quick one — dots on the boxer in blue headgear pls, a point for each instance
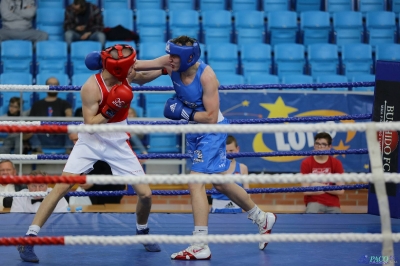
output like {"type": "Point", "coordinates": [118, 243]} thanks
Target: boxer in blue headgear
{"type": "Point", "coordinates": [189, 55]}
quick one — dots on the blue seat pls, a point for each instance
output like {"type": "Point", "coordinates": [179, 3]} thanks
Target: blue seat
{"type": "Point", "coordinates": [223, 58]}
{"type": "Point", "coordinates": [256, 58]}
{"type": "Point", "coordinates": [164, 80]}
{"type": "Point", "coordinates": [380, 27]}
{"type": "Point", "coordinates": [387, 51]}
{"type": "Point", "coordinates": [203, 52]}
{"type": "Point", "coordinates": [347, 28]}
{"type": "Point", "coordinates": [240, 5]}
{"type": "Point", "coordinates": [151, 25]}
{"type": "Point", "coordinates": [333, 6]}
{"type": "Point", "coordinates": [363, 78]}
{"type": "Point", "coordinates": [282, 27]}
{"type": "Point", "coordinates": [332, 79]}
{"type": "Point", "coordinates": [297, 79]}
{"type": "Point", "coordinates": [155, 102]}
{"type": "Point", "coordinates": [395, 7]}
{"type": "Point", "coordinates": [289, 59]}
{"type": "Point", "coordinates": [323, 59]}
{"type": "Point", "coordinates": [161, 142]}
{"type": "Point", "coordinates": [256, 79]}
{"type": "Point", "coordinates": [51, 56]}
{"type": "Point", "coordinates": [365, 6]}
{"type": "Point", "coordinates": [249, 27]}
{"type": "Point", "coordinates": [184, 22]}
{"type": "Point", "coordinates": [116, 4]}
{"type": "Point", "coordinates": [180, 4]}
{"type": "Point", "coordinates": [5, 97]}
{"type": "Point", "coordinates": [16, 79]}
{"type": "Point", "coordinates": [148, 4]}
{"type": "Point", "coordinates": [217, 26]}
{"type": "Point", "coordinates": [50, 4]}
{"type": "Point", "coordinates": [275, 5]}
{"type": "Point", "coordinates": [41, 79]}
{"type": "Point", "coordinates": [307, 5]}
{"type": "Point", "coordinates": [212, 5]}
{"type": "Point", "coordinates": [115, 17]}
{"type": "Point", "coordinates": [94, 2]}
{"type": "Point", "coordinates": [356, 59]}
{"type": "Point", "coordinates": [230, 79]}
{"type": "Point", "coordinates": [315, 27]}
{"type": "Point", "coordinates": [51, 20]}
{"type": "Point", "coordinates": [54, 150]}
{"type": "Point", "coordinates": [112, 43]}
{"type": "Point", "coordinates": [79, 50]}
{"type": "Point", "coordinates": [16, 56]}
{"type": "Point", "coordinates": [79, 79]}
{"type": "Point", "coordinates": [151, 50]}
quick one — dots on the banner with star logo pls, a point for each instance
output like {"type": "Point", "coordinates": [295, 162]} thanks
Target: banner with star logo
{"type": "Point", "coordinates": [255, 105]}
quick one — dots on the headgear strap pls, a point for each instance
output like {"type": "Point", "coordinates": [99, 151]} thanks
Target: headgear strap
{"type": "Point", "coordinates": [189, 55]}
{"type": "Point", "coordinates": [119, 68]}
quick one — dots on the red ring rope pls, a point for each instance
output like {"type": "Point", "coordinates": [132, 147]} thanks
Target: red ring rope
{"type": "Point", "coordinates": [44, 240]}
{"type": "Point", "coordinates": [34, 129]}
{"type": "Point", "coordinates": [28, 179]}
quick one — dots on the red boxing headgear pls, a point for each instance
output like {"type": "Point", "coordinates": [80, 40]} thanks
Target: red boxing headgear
{"type": "Point", "coordinates": [119, 68]}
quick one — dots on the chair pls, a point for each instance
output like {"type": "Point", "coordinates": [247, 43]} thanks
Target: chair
{"type": "Point", "coordinates": [203, 52]}
{"type": "Point", "coordinates": [257, 79]}
{"type": "Point", "coordinates": [180, 4]}
{"type": "Point", "coordinates": [151, 50]}
{"type": "Point", "coordinates": [275, 5]}
{"type": "Point", "coordinates": [380, 27]}
{"type": "Point", "coordinates": [161, 142]}
{"type": "Point", "coordinates": [240, 5]}
{"type": "Point", "coordinates": [16, 79]}
{"type": "Point", "coordinates": [365, 6]}
{"type": "Point", "coordinates": [297, 79]}
{"type": "Point", "coordinates": [41, 79]}
{"type": "Point", "coordinates": [155, 102]}
{"type": "Point", "coordinates": [184, 22]}
{"type": "Point", "coordinates": [51, 56]}
{"type": "Point", "coordinates": [282, 27]}
{"type": "Point", "coordinates": [115, 17]}
{"type": "Point", "coordinates": [112, 43]}
{"type": "Point", "coordinates": [395, 7]}
{"type": "Point", "coordinates": [50, 4]}
{"type": "Point", "coordinates": [148, 4]}
{"type": "Point", "coordinates": [323, 59]}
{"type": "Point", "coordinates": [16, 56]}
{"type": "Point", "coordinates": [387, 51]}
{"type": "Point", "coordinates": [230, 79]}
{"type": "Point", "coordinates": [80, 78]}
{"type": "Point", "coordinates": [315, 27]}
{"type": "Point", "coordinates": [151, 25]}
{"type": "Point", "coordinates": [332, 79]}
{"type": "Point", "coordinates": [363, 78]}
{"type": "Point", "coordinates": [79, 50]}
{"type": "Point", "coordinates": [212, 5]}
{"type": "Point", "coordinates": [51, 20]}
{"type": "Point", "coordinates": [223, 57]}
{"type": "Point", "coordinates": [217, 26]}
{"type": "Point", "coordinates": [356, 59]}
{"type": "Point", "coordinates": [164, 80]}
{"type": "Point", "coordinates": [333, 6]}
{"type": "Point", "coordinates": [256, 58]}
{"type": "Point", "coordinates": [94, 2]}
{"type": "Point", "coordinates": [249, 27]}
{"type": "Point", "coordinates": [307, 5]}
{"type": "Point", "coordinates": [116, 4]}
{"type": "Point", "coordinates": [289, 59]}
{"type": "Point", "coordinates": [347, 28]}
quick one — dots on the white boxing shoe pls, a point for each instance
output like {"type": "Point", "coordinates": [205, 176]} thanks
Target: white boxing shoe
{"type": "Point", "coordinates": [193, 252]}
{"type": "Point", "coordinates": [265, 221]}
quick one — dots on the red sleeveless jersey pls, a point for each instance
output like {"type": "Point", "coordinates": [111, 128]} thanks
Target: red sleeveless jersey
{"type": "Point", "coordinates": [122, 114]}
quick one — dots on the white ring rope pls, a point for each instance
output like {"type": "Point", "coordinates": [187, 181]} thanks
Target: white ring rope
{"type": "Point", "coordinates": [20, 123]}
{"type": "Point", "coordinates": [24, 194]}
{"type": "Point", "coordinates": [18, 157]}
{"type": "Point", "coordinates": [248, 238]}
{"type": "Point", "coordinates": [26, 88]}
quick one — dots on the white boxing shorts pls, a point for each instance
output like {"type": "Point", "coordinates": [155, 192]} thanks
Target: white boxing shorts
{"type": "Point", "coordinates": [111, 147]}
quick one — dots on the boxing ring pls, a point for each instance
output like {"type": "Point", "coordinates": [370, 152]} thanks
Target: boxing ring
{"type": "Point", "coordinates": [305, 239]}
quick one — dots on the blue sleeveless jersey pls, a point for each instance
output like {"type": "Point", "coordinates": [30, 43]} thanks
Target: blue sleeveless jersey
{"type": "Point", "coordinates": [222, 196]}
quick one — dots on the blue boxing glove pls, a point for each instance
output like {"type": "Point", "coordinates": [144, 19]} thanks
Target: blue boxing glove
{"type": "Point", "coordinates": [175, 109]}
{"type": "Point", "coordinates": [93, 61]}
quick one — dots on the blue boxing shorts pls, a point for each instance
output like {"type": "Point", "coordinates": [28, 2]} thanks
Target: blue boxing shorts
{"type": "Point", "coordinates": [208, 151]}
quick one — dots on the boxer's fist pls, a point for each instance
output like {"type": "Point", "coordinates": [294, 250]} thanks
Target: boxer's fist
{"type": "Point", "coordinates": [93, 61]}
{"type": "Point", "coordinates": [175, 109]}
{"type": "Point", "coordinates": [120, 96]}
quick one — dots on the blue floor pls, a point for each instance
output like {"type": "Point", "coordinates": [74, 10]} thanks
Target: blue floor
{"type": "Point", "coordinates": [319, 253]}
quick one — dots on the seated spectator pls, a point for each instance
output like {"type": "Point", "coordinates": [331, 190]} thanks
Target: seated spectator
{"type": "Point", "coordinates": [31, 204]}
{"type": "Point", "coordinates": [17, 17]}
{"type": "Point", "coordinates": [7, 168]}
{"type": "Point", "coordinates": [83, 21]}
{"type": "Point", "coordinates": [50, 106]}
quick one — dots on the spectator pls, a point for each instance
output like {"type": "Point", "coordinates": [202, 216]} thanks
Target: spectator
{"type": "Point", "coordinates": [7, 168]}
{"type": "Point", "coordinates": [83, 21]}
{"type": "Point", "coordinates": [50, 106]}
{"type": "Point", "coordinates": [220, 202]}
{"type": "Point", "coordinates": [322, 201]}
{"type": "Point", "coordinates": [31, 204]}
{"type": "Point", "coordinates": [17, 19]}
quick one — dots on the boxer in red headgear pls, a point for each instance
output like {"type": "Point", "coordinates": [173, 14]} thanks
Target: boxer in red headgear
{"type": "Point", "coordinates": [106, 98]}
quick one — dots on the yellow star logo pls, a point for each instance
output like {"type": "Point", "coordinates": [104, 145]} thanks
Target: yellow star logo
{"type": "Point", "coordinates": [341, 147]}
{"type": "Point", "coordinates": [278, 109]}
{"type": "Point", "coordinates": [246, 103]}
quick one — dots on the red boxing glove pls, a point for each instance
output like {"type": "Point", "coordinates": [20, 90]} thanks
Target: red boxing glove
{"type": "Point", "coordinates": [120, 96]}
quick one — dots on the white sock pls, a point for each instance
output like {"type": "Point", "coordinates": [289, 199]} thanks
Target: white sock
{"type": "Point", "coordinates": [200, 230]}
{"type": "Point", "coordinates": [253, 213]}
{"type": "Point", "coordinates": [33, 230]}
{"type": "Point", "coordinates": [141, 226]}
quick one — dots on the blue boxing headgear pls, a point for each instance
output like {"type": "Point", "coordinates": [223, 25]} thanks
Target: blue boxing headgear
{"type": "Point", "coordinates": [189, 55]}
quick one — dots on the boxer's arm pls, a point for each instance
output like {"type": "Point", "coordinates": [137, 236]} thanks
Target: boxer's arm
{"type": "Point", "coordinates": [90, 95]}
{"type": "Point", "coordinates": [210, 98]}
{"type": "Point", "coordinates": [144, 76]}
{"type": "Point", "coordinates": [155, 64]}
